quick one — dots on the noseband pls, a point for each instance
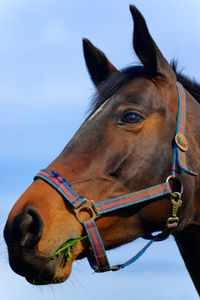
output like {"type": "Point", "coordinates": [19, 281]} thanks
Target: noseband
{"type": "Point", "coordinates": [98, 260]}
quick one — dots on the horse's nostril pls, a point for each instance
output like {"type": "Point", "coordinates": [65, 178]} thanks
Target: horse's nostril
{"type": "Point", "coordinates": [22, 226]}
{"type": "Point", "coordinates": [27, 228]}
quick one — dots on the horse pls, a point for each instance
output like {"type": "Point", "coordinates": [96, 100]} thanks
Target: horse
{"type": "Point", "coordinates": [130, 171]}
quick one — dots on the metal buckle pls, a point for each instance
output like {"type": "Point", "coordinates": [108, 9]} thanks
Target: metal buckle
{"type": "Point", "coordinates": [115, 268]}
{"type": "Point", "coordinates": [86, 207]}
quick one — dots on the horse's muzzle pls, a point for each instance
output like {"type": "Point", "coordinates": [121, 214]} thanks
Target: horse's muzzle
{"type": "Point", "coordinates": [22, 235]}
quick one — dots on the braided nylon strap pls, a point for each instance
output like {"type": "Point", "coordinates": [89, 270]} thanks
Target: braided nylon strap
{"type": "Point", "coordinates": [134, 258]}
{"type": "Point", "coordinates": [62, 186]}
{"type": "Point", "coordinates": [100, 262]}
{"type": "Point", "coordinates": [179, 157]}
{"type": "Point", "coordinates": [132, 199]}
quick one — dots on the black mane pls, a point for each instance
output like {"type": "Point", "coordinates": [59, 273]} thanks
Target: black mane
{"type": "Point", "coordinates": [190, 84]}
{"type": "Point", "coordinates": [110, 86]}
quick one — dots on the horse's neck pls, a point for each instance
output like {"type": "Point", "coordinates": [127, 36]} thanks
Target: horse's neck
{"type": "Point", "coordinates": [188, 238]}
{"type": "Point", "coordinates": [193, 127]}
{"type": "Point", "coordinates": [188, 242]}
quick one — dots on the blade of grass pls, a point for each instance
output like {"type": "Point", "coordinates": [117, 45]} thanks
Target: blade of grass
{"type": "Point", "coordinates": [67, 246]}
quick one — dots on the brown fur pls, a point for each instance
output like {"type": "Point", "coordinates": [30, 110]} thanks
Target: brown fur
{"type": "Point", "coordinates": [106, 159]}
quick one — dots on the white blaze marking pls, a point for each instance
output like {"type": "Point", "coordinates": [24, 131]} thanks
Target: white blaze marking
{"type": "Point", "coordinates": [98, 110]}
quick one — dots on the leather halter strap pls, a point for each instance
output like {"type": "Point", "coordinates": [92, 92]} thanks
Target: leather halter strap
{"type": "Point", "coordinates": [98, 260]}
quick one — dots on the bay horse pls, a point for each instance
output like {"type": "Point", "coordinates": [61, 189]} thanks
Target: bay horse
{"type": "Point", "coordinates": [135, 160]}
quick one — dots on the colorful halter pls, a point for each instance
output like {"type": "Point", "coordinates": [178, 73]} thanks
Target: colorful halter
{"type": "Point", "coordinates": [98, 260]}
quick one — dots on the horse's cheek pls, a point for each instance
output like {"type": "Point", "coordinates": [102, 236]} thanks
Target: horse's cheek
{"type": "Point", "coordinates": [156, 213]}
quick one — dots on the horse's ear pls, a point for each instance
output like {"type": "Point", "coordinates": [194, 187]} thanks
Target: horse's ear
{"type": "Point", "coordinates": [98, 65]}
{"type": "Point", "coordinates": [147, 50]}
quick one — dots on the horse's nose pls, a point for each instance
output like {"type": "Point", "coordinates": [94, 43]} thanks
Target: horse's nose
{"type": "Point", "coordinates": [26, 228]}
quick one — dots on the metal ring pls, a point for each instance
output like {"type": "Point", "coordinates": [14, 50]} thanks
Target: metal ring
{"type": "Point", "coordinates": [87, 207]}
{"type": "Point", "coordinates": [170, 177]}
{"type": "Point", "coordinates": [174, 178]}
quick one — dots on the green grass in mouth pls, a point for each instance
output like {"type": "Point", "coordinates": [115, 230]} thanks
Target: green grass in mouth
{"type": "Point", "coordinates": [67, 247]}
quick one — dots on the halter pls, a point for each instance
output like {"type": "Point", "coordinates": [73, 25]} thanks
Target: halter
{"type": "Point", "coordinates": [98, 259]}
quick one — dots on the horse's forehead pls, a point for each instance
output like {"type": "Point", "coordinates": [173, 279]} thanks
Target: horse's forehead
{"type": "Point", "coordinates": [140, 87]}
{"type": "Point", "coordinates": [138, 91]}
{"type": "Point", "coordinates": [142, 92]}
{"type": "Point", "coordinates": [99, 109]}
{"type": "Point", "coordinates": [155, 96]}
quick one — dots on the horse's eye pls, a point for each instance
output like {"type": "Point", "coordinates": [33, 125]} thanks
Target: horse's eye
{"type": "Point", "coordinates": [132, 118]}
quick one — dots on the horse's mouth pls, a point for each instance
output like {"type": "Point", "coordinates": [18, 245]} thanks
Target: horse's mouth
{"type": "Point", "coordinates": [58, 268]}
{"type": "Point", "coordinates": [56, 271]}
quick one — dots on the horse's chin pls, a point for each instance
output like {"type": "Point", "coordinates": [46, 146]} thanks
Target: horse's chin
{"type": "Point", "coordinates": [55, 271]}
{"type": "Point", "coordinates": [39, 269]}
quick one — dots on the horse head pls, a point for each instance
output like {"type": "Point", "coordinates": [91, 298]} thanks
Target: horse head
{"type": "Point", "coordinates": [124, 146]}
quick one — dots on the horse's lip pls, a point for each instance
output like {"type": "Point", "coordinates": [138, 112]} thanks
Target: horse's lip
{"type": "Point", "coordinates": [52, 270]}
{"type": "Point", "coordinates": [45, 281]}
{"type": "Point", "coordinates": [47, 274]}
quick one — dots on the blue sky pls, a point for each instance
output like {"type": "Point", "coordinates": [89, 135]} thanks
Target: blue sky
{"type": "Point", "coordinates": [45, 93]}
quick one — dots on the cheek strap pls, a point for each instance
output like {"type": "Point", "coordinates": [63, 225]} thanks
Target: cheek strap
{"type": "Point", "coordinates": [180, 145]}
